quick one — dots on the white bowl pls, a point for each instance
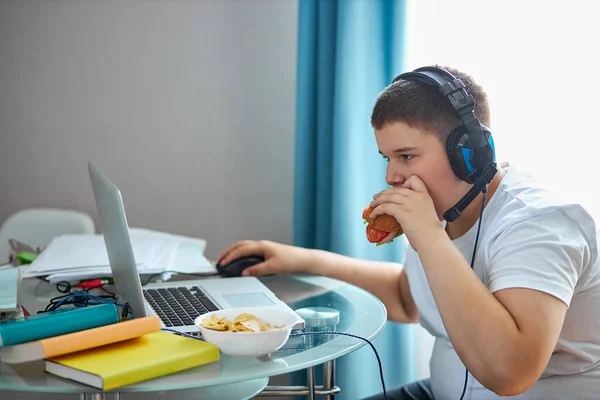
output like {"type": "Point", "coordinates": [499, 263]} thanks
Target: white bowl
{"type": "Point", "coordinates": [250, 344]}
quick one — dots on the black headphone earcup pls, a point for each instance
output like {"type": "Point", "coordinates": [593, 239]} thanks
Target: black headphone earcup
{"type": "Point", "coordinates": [459, 149]}
{"type": "Point", "coordinates": [458, 157]}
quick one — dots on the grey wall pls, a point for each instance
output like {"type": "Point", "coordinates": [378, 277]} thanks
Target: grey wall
{"type": "Point", "coordinates": [187, 105]}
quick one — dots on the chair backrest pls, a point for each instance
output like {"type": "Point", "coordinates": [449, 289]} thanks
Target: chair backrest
{"type": "Point", "coordinates": [38, 226]}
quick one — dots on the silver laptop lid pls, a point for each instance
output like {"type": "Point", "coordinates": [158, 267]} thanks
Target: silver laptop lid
{"type": "Point", "coordinates": [113, 224]}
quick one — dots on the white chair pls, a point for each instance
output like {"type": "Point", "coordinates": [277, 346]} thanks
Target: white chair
{"type": "Point", "coordinates": [38, 226]}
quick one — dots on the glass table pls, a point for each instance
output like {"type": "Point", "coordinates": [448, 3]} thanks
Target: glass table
{"type": "Point", "coordinates": [327, 304]}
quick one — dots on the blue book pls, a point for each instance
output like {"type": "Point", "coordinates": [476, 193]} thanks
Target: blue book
{"type": "Point", "coordinates": [55, 323]}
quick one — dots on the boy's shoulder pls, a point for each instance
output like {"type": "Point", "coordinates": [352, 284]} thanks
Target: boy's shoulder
{"type": "Point", "coordinates": [522, 202]}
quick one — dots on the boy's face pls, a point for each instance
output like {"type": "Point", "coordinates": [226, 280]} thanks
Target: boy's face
{"type": "Point", "coordinates": [414, 151]}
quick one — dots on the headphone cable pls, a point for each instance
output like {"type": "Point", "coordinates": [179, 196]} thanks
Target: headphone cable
{"type": "Point", "coordinates": [472, 264]}
{"type": "Point", "coordinates": [314, 333]}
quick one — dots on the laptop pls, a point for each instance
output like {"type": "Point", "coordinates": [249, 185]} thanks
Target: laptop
{"type": "Point", "coordinates": [177, 304]}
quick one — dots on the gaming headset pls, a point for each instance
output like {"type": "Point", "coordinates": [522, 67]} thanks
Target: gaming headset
{"type": "Point", "coordinates": [470, 147]}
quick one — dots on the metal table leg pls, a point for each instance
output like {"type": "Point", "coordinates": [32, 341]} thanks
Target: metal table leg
{"type": "Point", "coordinates": [327, 390]}
{"type": "Point", "coordinates": [310, 381]}
{"type": "Point", "coordinates": [329, 379]}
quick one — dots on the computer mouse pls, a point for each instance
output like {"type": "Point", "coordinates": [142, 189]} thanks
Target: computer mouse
{"type": "Point", "coordinates": [235, 267]}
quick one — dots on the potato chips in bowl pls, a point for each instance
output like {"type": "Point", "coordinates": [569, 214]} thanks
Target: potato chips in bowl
{"type": "Point", "coordinates": [247, 332]}
{"type": "Point", "coordinates": [244, 322]}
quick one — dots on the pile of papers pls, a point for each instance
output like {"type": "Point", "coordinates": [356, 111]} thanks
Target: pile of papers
{"type": "Point", "coordinates": [76, 257]}
{"type": "Point", "coordinates": [10, 280]}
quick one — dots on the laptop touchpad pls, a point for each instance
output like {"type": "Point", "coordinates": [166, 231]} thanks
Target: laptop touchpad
{"type": "Point", "coordinates": [255, 299]}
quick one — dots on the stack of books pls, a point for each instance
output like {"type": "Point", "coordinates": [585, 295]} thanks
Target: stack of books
{"type": "Point", "coordinates": [90, 345]}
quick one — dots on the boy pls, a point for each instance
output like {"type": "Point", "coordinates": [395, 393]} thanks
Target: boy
{"type": "Point", "coordinates": [502, 274]}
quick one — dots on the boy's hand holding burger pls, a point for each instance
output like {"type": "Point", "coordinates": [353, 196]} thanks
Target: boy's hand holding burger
{"type": "Point", "coordinates": [408, 209]}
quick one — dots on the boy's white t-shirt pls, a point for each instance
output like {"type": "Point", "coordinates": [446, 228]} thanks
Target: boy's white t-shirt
{"type": "Point", "coordinates": [528, 239]}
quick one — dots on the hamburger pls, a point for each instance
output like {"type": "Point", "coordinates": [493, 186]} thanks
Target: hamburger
{"type": "Point", "coordinates": [383, 229]}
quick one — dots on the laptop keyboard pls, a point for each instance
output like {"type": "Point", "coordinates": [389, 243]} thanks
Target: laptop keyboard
{"type": "Point", "coordinates": [179, 306]}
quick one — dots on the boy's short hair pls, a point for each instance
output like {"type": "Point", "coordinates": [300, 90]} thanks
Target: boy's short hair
{"type": "Point", "coordinates": [422, 106]}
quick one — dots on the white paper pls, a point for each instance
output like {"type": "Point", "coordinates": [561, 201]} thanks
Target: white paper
{"type": "Point", "coordinates": [69, 252]}
{"type": "Point", "coordinates": [147, 233]}
{"type": "Point", "coordinates": [9, 285]}
{"type": "Point", "coordinates": [73, 257]}
{"type": "Point", "coordinates": [91, 273]}
{"type": "Point", "coordinates": [187, 254]}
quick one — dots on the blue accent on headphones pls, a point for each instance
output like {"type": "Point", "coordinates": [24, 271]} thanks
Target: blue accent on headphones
{"type": "Point", "coordinates": [466, 153]}
{"type": "Point", "coordinates": [467, 157]}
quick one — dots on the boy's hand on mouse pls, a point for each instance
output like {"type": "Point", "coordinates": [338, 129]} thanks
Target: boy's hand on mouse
{"type": "Point", "coordinates": [412, 207]}
{"type": "Point", "coordinates": [279, 258]}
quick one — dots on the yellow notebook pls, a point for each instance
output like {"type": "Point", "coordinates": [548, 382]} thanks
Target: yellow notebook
{"type": "Point", "coordinates": [132, 361]}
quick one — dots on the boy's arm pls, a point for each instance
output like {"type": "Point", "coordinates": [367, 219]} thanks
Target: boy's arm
{"type": "Point", "coordinates": [505, 339]}
{"type": "Point", "coordinates": [388, 281]}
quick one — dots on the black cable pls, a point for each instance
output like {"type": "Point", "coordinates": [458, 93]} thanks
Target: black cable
{"type": "Point", "coordinates": [472, 263]}
{"type": "Point", "coordinates": [357, 337]}
{"type": "Point", "coordinates": [79, 298]}
{"type": "Point", "coordinates": [101, 287]}
{"type": "Point", "coordinates": [63, 287]}
{"type": "Point", "coordinates": [66, 287]}
{"type": "Point", "coordinates": [83, 297]}
{"type": "Point", "coordinates": [315, 333]}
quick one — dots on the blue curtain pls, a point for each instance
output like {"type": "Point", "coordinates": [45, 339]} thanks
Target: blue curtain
{"type": "Point", "coordinates": [348, 51]}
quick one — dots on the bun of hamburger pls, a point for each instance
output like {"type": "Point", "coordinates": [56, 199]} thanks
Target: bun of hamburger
{"type": "Point", "coordinates": [383, 229]}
